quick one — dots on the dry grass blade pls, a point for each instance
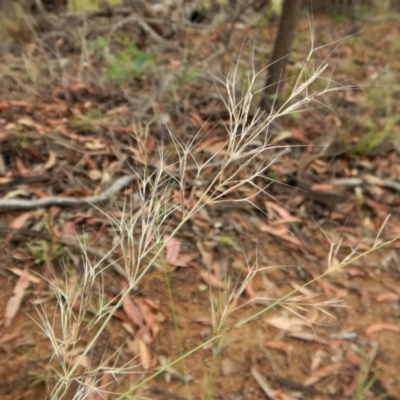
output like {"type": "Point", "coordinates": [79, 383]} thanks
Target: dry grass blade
{"type": "Point", "coordinates": [263, 383]}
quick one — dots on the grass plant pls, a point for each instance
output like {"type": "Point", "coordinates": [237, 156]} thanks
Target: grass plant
{"type": "Point", "coordinates": [247, 144]}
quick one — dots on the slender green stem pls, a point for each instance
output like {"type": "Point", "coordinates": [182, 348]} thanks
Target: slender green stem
{"type": "Point", "coordinates": [171, 364]}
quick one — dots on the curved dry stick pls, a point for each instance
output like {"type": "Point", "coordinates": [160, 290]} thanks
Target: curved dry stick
{"type": "Point", "coordinates": [18, 204]}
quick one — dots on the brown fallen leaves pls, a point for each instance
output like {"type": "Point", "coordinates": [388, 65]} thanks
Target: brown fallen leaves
{"type": "Point", "coordinates": [15, 300]}
{"type": "Point", "coordinates": [141, 322]}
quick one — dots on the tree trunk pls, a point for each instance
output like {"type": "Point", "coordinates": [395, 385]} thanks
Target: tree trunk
{"type": "Point", "coordinates": [282, 46]}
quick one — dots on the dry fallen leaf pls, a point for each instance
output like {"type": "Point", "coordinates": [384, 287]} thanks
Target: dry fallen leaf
{"type": "Point", "coordinates": [171, 372]}
{"type": "Point", "coordinates": [95, 175]}
{"type": "Point", "coordinates": [33, 278]}
{"type": "Point", "coordinates": [205, 254]}
{"type": "Point", "coordinates": [183, 260]}
{"type": "Point", "coordinates": [212, 280]}
{"type": "Point", "coordinates": [148, 316]}
{"type": "Point", "coordinates": [22, 169]}
{"type": "Point", "coordinates": [353, 357]}
{"type": "Point", "coordinates": [323, 373]}
{"type": "Point", "coordinates": [144, 354]}
{"type": "Point", "coordinates": [220, 267]}
{"type": "Point", "coordinates": [270, 393]}
{"type": "Point", "coordinates": [280, 345]}
{"type": "Point", "coordinates": [387, 297]}
{"type": "Point", "coordinates": [19, 222]}
{"type": "Point", "coordinates": [133, 312]}
{"type": "Point", "coordinates": [275, 210]}
{"type": "Point", "coordinates": [139, 348]}
{"type": "Point", "coordinates": [374, 328]}
{"type": "Point", "coordinates": [104, 382]}
{"type": "Point", "coordinates": [84, 362]}
{"type": "Point", "coordinates": [15, 300]}
{"type": "Point", "coordinates": [51, 161]}
{"type": "Point", "coordinates": [172, 250]}
{"type": "Point", "coordinates": [9, 336]}
{"type": "Point", "coordinates": [317, 359]}
{"type": "Point", "coordinates": [282, 231]}
{"type": "Point", "coordinates": [291, 324]}
{"type": "Point", "coordinates": [308, 337]}
{"type": "Point", "coordinates": [131, 309]}
{"type": "Point", "coordinates": [302, 290]}
{"type": "Point", "coordinates": [227, 367]}
{"type": "Point", "coordinates": [350, 389]}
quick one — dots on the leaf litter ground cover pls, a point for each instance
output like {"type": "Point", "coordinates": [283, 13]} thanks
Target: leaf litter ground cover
{"type": "Point", "coordinates": [72, 132]}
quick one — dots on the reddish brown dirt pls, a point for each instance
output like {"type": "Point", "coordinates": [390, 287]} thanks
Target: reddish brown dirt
{"type": "Point", "coordinates": [224, 369]}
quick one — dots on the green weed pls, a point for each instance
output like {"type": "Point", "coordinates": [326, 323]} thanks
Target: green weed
{"type": "Point", "coordinates": [382, 118]}
{"type": "Point", "coordinates": [125, 64]}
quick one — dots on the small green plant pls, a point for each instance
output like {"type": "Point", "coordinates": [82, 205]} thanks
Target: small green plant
{"type": "Point", "coordinates": [127, 63]}
{"type": "Point", "coordinates": [365, 381]}
{"type": "Point", "coordinates": [377, 135]}
{"type": "Point", "coordinates": [86, 122]}
{"type": "Point", "coordinates": [382, 119]}
{"type": "Point", "coordinates": [87, 5]}
{"type": "Point", "coordinates": [42, 250]}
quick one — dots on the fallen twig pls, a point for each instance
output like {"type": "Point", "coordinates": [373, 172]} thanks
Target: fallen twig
{"type": "Point", "coordinates": [21, 204]}
{"type": "Point", "coordinates": [369, 179]}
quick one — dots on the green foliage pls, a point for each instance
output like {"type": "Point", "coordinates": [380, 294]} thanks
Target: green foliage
{"type": "Point", "coordinates": [395, 46]}
{"type": "Point", "coordinates": [365, 381]}
{"type": "Point", "coordinates": [341, 18]}
{"type": "Point", "coordinates": [377, 135]}
{"type": "Point", "coordinates": [125, 64]}
{"type": "Point", "coordinates": [41, 251]}
{"type": "Point", "coordinates": [87, 5]}
{"type": "Point", "coordinates": [227, 239]}
{"type": "Point", "coordinates": [275, 8]}
{"type": "Point", "coordinates": [85, 123]}
{"type": "Point", "coordinates": [383, 117]}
